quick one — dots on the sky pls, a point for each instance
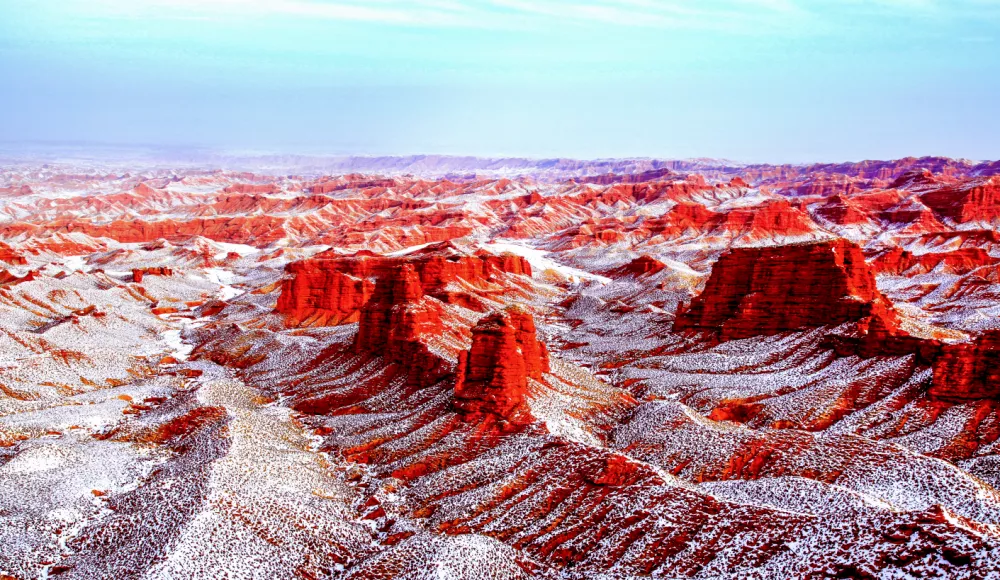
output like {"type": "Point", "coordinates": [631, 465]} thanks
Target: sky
{"type": "Point", "coordinates": [746, 80]}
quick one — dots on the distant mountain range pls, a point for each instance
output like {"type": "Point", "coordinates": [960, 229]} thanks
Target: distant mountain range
{"type": "Point", "coordinates": [457, 166]}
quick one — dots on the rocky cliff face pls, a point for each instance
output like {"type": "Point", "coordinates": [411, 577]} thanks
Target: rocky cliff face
{"type": "Point", "coordinates": [331, 289]}
{"type": "Point", "coordinates": [640, 266]}
{"type": "Point", "coordinates": [767, 290]}
{"type": "Point", "coordinates": [397, 301]}
{"type": "Point", "coordinates": [394, 324]}
{"type": "Point", "coordinates": [402, 290]}
{"type": "Point", "coordinates": [492, 377]}
{"type": "Point", "coordinates": [321, 296]}
{"type": "Point", "coordinates": [771, 217]}
{"type": "Point", "coordinates": [969, 370]}
{"type": "Point", "coordinates": [880, 335]}
{"type": "Point", "coordinates": [969, 202]}
{"type": "Point", "coordinates": [251, 188]}
{"type": "Point", "coordinates": [898, 261]}
{"type": "Point", "coordinates": [842, 210]}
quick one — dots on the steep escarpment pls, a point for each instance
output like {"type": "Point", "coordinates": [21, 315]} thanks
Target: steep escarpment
{"type": "Point", "coordinates": [317, 295]}
{"type": "Point", "coordinates": [641, 266]}
{"type": "Point", "coordinates": [766, 290]}
{"type": "Point", "coordinates": [493, 375]}
{"type": "Point", "coordinates": [898, 261]}
{"type": "Point", "coordinates": [394, 323]}
{"type": "Point", "coordinates": [758, 219]}
{"type": "Point", "coordinates": [976, 201]}
{"type": "Point", "coordinates": [331, 289]}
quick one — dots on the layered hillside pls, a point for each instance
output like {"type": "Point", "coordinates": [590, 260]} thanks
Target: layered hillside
{"type": "Point", "coordinates": [520, 369]}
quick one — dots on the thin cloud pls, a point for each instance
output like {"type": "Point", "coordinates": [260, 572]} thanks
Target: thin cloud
{"type": "Point", "coordinates": [457, 13]}
{"type": "Point", "coordinates": [735, 15]}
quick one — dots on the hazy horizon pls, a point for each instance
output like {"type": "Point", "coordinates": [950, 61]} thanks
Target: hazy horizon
{"type": "Point", "coordinates": [56, 152]}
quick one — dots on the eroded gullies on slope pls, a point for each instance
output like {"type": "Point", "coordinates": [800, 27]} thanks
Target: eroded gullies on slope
{"type": "Point", "coordinates": [518, 399]}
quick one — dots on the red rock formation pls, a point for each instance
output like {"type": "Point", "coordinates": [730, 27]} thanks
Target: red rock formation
{"type": "Point", "coordinates": [211, 308]}
{"type": "Point", "coordinates": [138, 273]}
{"type": "Point", "coordinates": [259, 230]}
{"type": "Point", "coordinates": [15, 190]}
{"type": "Point", "coordinates": [767, 290]}
{"type": "Point", "coordinates": [332, 288]}
{"type": "Point", "coordinates": [492, 377]}
{"type": "Point", "coordinates": [250, 188]}
{"type": "Point", "coordinates": [353, 181]}
{"type": "Point", "coordinates": [969, 370]}
{"type": "Point", "coordinates": [914, 178]}
{"type": "Point", "coordinates": [400, 290]}
{"type": "Point", "coordinates": [774, 217]}
{"type": "Point", "coordinates": [913, 212]}
{"type": "Point", "coordinates": [900, 262]}
{"type": "Point", "coordinates": [394, 324]}
{"type": "Point", "coordinates": [843, 211]}
{"type": "Point", "coordinates": [611, 178]}
{"type": "Point", "coordinates": [143, 189]}
{"type": "Point", "coordinates": [316, 295]}
{"type": "Point", "coordinates": [11, 256]}
{"type": "Point", "coordinates": [641, 266]}
{"type": "Point", "coordinates": [892, 169]}
{"type": "Point", "coordinates": [825, 186]}
{"type": "Point", "coordinates": [880, 335]}
{"type": "Point", "coordinates": [8, 278]}
{"type": "Point", "coordinates": [975, 201]}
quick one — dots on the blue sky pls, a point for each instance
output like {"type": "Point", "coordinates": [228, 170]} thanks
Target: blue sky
{"type": "Point", "coordinates": [750, 80]}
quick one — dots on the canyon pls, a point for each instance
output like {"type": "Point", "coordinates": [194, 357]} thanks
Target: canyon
{"type": "Point", "coordinates": [436, 367]}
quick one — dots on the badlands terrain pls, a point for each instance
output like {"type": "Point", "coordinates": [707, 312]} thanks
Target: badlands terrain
{"type": "Point", "coordinates": [495, 369]}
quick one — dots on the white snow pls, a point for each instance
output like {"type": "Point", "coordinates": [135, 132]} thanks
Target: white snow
{"type": "Point", "coordinates": [227, 247]}
{"type": "Point", "coordinates": [74, 263]}
{"type": "Point", "coordinates": [540, 261]}
{"type": "Point", "coordinates": [225, 279]}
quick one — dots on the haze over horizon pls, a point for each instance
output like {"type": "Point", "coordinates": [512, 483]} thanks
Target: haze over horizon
{"type": "Point", "coordinates": [141, 155]}
{"type": "Point", "coordinates": [748, 80]}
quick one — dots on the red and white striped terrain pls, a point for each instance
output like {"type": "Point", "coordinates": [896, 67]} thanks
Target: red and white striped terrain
{"type": "Point", "coordinates": [603, 370]}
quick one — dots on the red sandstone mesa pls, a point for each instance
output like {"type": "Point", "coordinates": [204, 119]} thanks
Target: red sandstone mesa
{"type": "Point", "coordinates": [767, 290]}
{"type": "Point", "coordinates": [331, 289]}
{"type": "Point", "coordinates": [492, 376]}
{"type": "Point", "coordinates": [317, 295]}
